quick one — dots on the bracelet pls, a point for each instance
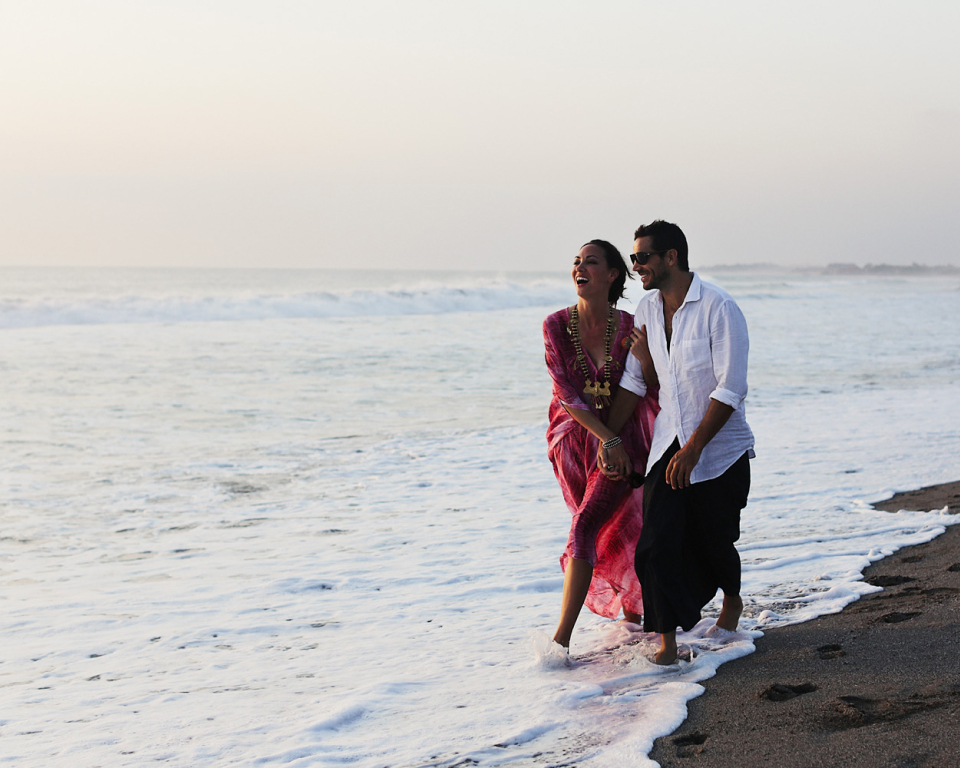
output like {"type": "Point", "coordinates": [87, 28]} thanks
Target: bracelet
{"type": "Point", "coordinates": [613, 442]}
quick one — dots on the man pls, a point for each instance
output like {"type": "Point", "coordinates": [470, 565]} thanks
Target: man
{"type": "Point", "coordinates": [698, 472]}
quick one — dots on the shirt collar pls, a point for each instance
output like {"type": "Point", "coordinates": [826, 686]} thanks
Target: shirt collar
{"type": "Point", "coordinates": [693, 292]}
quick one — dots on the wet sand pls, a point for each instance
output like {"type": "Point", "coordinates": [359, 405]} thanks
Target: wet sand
{"type": "Point", "coordinates": [876, 685]}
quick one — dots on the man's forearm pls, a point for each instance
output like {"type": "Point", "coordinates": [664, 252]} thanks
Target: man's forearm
{"type": "Point", "coordinates": [713, 420]}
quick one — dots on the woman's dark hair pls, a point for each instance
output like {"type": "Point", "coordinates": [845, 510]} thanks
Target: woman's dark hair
{"type": "Point", "coordinates": [614, 261]}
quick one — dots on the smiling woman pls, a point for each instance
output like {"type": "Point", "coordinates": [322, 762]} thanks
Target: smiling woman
{"type": "Point", "coordinates": [586, 346]}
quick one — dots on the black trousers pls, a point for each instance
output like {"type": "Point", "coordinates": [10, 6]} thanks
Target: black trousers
{"type": "Point", "coordinates": [686, 550]}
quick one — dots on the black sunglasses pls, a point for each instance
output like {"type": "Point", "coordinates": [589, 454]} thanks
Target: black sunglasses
{"type": "Point", "coordinates": [642, 257]}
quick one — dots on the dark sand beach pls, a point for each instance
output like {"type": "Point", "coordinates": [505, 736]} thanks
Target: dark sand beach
{"type": "Point", "coordinates": [876, 685]}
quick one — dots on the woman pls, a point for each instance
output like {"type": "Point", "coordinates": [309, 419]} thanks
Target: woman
{"type": "Point", "coordinates": [586, 348]}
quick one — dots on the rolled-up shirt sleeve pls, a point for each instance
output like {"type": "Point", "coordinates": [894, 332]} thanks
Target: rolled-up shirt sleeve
{"type": "Point", "coordinates": [632, 378]}
{"type": "Point", "coordinates": [729, 348]}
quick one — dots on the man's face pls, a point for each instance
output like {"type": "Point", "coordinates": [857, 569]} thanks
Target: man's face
{"type": "Point", "coordinates": [652, 273]}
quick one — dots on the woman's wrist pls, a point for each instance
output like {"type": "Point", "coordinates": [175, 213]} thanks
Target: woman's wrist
{"type": "Point", "coordinates": [603, 433]}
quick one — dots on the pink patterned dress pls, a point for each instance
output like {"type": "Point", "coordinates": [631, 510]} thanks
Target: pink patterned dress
{"type": "Point", "coordinates": [607, 515]}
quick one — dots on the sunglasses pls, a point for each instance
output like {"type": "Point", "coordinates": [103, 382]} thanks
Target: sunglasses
{"type": "Point", "coordinates": [642, 257]}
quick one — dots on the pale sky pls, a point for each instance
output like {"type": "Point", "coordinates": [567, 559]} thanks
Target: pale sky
{"type": "Point", "coordinates": [476, 135]}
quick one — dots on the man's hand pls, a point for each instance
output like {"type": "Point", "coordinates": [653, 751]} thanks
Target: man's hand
{"type": "Point", "coordinates": [681, 465]}
{"type": "Point", "coordinates": [684, 460]}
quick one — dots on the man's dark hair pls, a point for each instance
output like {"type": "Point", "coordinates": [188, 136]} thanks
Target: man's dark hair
{"type": "Point", "coordinates": [614, 261]}
{"type": "Point", "coordinates": [664, 236]}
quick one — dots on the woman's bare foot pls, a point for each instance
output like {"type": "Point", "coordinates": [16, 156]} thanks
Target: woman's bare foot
{"type": "Point", "coordinates": [730, 613]}
{"type": "Point", "coordinates": [667, 654]}
{"type": "Point", "coordinates": [633, 618]}
{"type": "Point", "coordinates": [576, 584]}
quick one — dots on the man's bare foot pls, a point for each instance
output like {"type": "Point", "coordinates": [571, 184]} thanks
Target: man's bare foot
{"type": "Point", "coordinates": [667, 654]}
{"type": "Point", "coordinates": [730, 613]}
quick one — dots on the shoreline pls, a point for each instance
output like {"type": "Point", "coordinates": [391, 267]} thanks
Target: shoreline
{"type": "Point", "coordinates": [877, 684]}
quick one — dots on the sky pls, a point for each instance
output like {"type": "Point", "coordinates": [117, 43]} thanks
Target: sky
{"type": "Point", "coordinates": [476, 135]}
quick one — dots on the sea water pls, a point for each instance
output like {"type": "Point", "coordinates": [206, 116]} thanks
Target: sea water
{"type": "Point", "coordinates": [307, 518]}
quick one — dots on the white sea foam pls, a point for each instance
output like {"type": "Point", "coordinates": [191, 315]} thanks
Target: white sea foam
{"type": "Point", "coordinates": [322, 542]}
{"type": "Point", "coordinates": [174, 302]}
{"type": "Point", "coordinates": [549, 655]}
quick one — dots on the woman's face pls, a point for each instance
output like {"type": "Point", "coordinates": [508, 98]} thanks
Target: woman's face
{"type": "Point", "coordinates": [591, 274]}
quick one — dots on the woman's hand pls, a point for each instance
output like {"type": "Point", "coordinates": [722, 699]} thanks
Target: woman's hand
{"type": "Point", "coordinates": [614, 462]}
{"type": "Point", "coordinates": [640, 349]}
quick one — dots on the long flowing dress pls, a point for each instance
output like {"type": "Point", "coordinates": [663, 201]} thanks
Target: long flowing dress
{"type": "Point", "coordinates": [607, 515]}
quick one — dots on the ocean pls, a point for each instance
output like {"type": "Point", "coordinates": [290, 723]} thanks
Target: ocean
{"type": "Point", "coordinates": [306, 518]}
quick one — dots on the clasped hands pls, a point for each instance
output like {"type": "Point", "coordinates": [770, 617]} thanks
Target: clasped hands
{"type": "Point", "coordinates": [615, 464]}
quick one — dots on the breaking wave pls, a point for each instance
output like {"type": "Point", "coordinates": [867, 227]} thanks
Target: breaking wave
{"type": "Point", "coordinates": [426, 300]}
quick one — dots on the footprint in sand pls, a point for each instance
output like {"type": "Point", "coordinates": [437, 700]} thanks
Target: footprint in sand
{"type": "Point", "coordinates": [831, 651]}
{"type": "Point", "coordinates": [781, 692]}
{"type": "Point", "coordinates": [857, 711]}
{"type": "Point", "coordinates": [888, 581]}
{"type": "Point", "coordinates": [939, 592]}
{"type": "Point", "coordinates": [897, 616]}
{"type": "Point", "coordinates": [690, 744]}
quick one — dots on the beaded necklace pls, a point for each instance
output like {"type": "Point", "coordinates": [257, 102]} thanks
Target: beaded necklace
{"type": "Point", "coordinates": [599, 391]}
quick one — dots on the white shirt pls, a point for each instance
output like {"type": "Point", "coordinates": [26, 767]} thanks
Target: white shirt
{"type": "Point", "coordinates": [707, 359]}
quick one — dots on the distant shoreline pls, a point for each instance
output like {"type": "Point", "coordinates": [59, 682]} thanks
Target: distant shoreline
{"type": "Point", "coordinates": [842, 269]}
{"type": "Point", "coordinates": [425, 272]}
